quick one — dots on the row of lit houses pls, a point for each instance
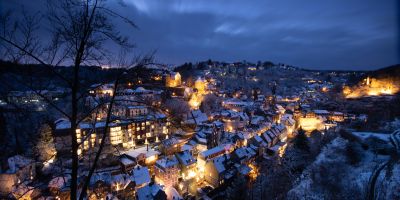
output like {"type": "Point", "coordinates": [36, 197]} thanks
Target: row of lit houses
{"type": "Point", "coordinates": [122, 133]}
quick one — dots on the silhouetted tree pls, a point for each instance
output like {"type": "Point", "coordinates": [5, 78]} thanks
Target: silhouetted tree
{"type": "Point", "coordinates": [79, 30]}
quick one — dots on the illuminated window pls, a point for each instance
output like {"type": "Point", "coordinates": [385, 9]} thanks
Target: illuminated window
{"type": "Point", "coordinates": [86, 145]}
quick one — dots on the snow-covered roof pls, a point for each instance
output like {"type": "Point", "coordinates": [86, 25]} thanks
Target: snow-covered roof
{"type": "Point", "coordinates": [244, 152]}
{"type": "Point", "coordinates": [337, 113]}
{"type": "Point", "coordinates": [244, 169]}
{"type": "Point", "coordinates": [172, 194]}
{"type": "Point", "coordinates": [200, 137]}
{"type": "Point", "coordinates": [16, 162]}
{"type": "Point", "coordinates": [66, 124]}
{"type": "Point", "coordinates": [198, 115]}
{"type": "Point", "coordinates": [141, 175]}
{"type": "Point", "coordinates": [140, 89]}
{"type": "Point", "coordinates": [137, 107]}
{"type": "Point", "coordinates": [148, 192]}
{"type": "Point", "coordinates": [219, 163]}
{"type": "Point", "coordinates": [321, 112]}
{"type": "Point", "coordinates": [187, 147]}
{"type": "Point", "coordinates": [167, 162]}
{"type": "Point", "coordinates": [266, 137]}
{"type": "Point", "coordinates": [185, 158]}
{"type": "Point", "coordinates": [142, 151]}
{"type": "Point", "coordinates": [217, 149]}
{"type": "Point", "coordinates": [237, 102]}
{"type": "Point", "coordinates": [257, 119]}
{"type": "Point", "coordinates": [126, 161]}
{"type": "Point", "coordinates": [258, 139]}
{"type": "Point", "coordinates": [103, 176]}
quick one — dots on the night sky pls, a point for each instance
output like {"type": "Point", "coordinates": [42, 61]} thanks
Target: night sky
{"type": "Point", "coordinates": [317, 34]}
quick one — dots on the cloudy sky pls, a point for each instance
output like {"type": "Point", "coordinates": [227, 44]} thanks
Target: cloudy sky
{"type": "Point", "coordinates": [328, 34]}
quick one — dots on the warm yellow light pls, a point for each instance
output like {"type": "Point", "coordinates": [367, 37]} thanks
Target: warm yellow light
{"type": "Point", "coordinates": [195, 101]}
{"type": "Point", "coordinates": [372, 87]}
{"type": "Point", "coordinates": [151, 159]}
{"type": "Point", "coordinates": [310, 124]}
{"type": "Point", "coordinates": [191, 174]}
{"type": "Point", "coordinates": [282, 150]}
{"type": "Point", "coordinates": [180, 186]}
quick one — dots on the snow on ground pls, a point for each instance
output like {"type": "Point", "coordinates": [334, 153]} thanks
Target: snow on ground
{"type": "Point", "coordinates": [351, 180]}
{"type": "Point", "coordinates": [172, 194]}
{"type": "Point", "coordinates": [365, 135]}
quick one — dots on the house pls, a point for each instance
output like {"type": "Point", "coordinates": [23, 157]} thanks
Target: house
{"type": "Point", "coordinates": [337, 116]}
{"type": "Point", "coordinates": [204, 156]}
{"type": "Point", "coordinates": [17, 169]}
{"type": "Point", "coordinates": [141, 176]}
{"type": "Point", "coordinates": [170, 146]}
{"type": "Point", "coordinates": [239, 139]}
{"type": "Point", "coordinates": [172, 193]}
{"type": "Point", "coordinates": [151, 192]}
{"type": "Point", "coordinates": [215, 170]}
{"type": "Point", "coordinates": [173, 79]}
{"type": "Point", "coordinates": [322, 113]}
{"type": "Point", "coordinates": [243, 155]}
{"type": "Point", "coordinates": [127, 163]}
{"type": "Point", "coordinates": [195, 117]}
{"type": "Point", "coordinates": [125, 133]}
{"type": "Point", "coordinates": [259, 143]}
{"type": "Point", "coordinates": [210, 133]}
{"type": "Point", "coordinates": [200, 85]}
{"type": "Point", "coordinates": [236, 104]}
{"type": "Point", "coordinates": [187, 163]}
{"type": "Point", "coordinates": [143, 155]}
{"type": "Point", "coordinates": [289, 122]}
{"type": "Point", "coordinates": [167, 170]}
{"type": "Point", "coordinates": [234, 121]}
{"type": "Point", "coordinates": [134, 111]}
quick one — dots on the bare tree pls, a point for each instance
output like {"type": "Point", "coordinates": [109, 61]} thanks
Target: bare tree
{"type": "Point", "coordinates": [79, 31]}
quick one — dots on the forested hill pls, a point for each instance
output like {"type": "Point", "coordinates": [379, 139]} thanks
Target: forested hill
{"type": "Point", "coordinates": [11, 73]}
{"type": "Point", "coordinates": [387, 72]}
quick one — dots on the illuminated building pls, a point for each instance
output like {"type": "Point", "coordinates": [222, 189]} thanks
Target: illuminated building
{"type": "Point", "coordinates": [170, 146]}
{"type": "Point", "coordinates": [122, 133]}
{"type": "Point", "coordinates": [204, 156]}
{"type": "Point", "coordinates": [173, 80]}
{"type": "Point", "coordinates": [19, 169]}
{"type": "Point", "coordinates": [143, 155]}
{"type": "Point", "coordinates": [310, 121]}
{"type": "Point", "coordinates": [166, 171]}
{"type": "Point", "coordinates": [187, 164]}
{"type": "Point", "coordinates": [195, 101]}
{"type": "Point", "coordinates": [372, 87]}
{"type": "Point", "coordinates": [201, 85]}
{"type": "Point", "coordinates": [234, 121]}
{"type": "Point", "coordinates": [215, 171]}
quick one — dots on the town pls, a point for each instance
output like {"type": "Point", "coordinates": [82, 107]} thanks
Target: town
{"type": "Point", "coordinates": [169, 137]}
{"type": "Point", "coordinates": [187, 100]}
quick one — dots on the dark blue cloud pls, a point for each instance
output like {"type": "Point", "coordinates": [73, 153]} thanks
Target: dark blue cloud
{"type": "Point", "coordinates": [336, 34]}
